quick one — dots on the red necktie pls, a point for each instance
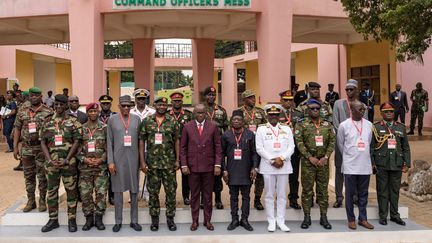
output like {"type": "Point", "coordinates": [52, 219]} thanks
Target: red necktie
{"type": "Point", "coordinates": [200, 129]}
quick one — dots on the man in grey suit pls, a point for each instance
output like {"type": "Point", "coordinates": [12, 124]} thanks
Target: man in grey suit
{"type": "Point", "coordinates": [398, 99]}
{"type": "Point", "coordinates": [123, 160]}
{"type": "Point", "coordinates": [73, 109]}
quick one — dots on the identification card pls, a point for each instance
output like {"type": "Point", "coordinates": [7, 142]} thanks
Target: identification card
{"type": "Point", "coordinates": [276, 146]}
{"type": "Point", "coordinates": [158, 138]}
{"type": "Point", "coordinates": [237, 154]}
{"type": "Point", "coordinates": [361, 146]}
{"type": "Point", "coordinates": [91, 147]}
{"type": "Point", "coordinates": [319, 141]}
{"type": "Point", "coordinates": [253, 128]}
{"type": "Point", "coordinates": [58, 140]}
{"type": "Point", "coordinates": [391, 143]}
{"type": "Point", "coordinates": [32, 127]}
{"type": "Point", "coordinates": [127, 141]}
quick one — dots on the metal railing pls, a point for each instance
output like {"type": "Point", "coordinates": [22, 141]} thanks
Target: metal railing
{"type": "Point", "coordinates": [173, 50]}
{"type": "Point", "coordinates": [64, 46]}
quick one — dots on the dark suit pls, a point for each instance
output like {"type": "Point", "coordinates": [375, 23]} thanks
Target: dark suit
{"type": "Point", "coordinates": [81, 116]}
{"type": "Point", "coordinates": [400, 102]}
{"type": "Point", "coordinates": [300, 96]}
{"type": "Point", "coordinates": [369, 101]}
{"type": "Point", "coordinates": [201, 153]}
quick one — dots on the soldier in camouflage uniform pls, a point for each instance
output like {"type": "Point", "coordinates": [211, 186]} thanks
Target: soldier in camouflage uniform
{"type": "Point", "coordinates": [253, 117]}
{"type": "Point", "coordinates": [290, 117]}
{"type": "Point", "coordinates": [390, 157]}
{"type": "Point", "coordinates": [326, 111]}
{"type": "Point", "coordinates": [28, 122]}
{"type": "Point", "coordinates": [315, 139]}
{"type": "Point", "coordinates": [216, 113]}
{"type": "Point", "coordinates": [160, 133]}
{"type": "Point", "coordinates": [182, 116]}
{"type": "Point", "coordinates": [420, 104]}
{"type": "Point", "coordinates": [60, 137]}
{"type": "Point", "coordinates": [93, 169]}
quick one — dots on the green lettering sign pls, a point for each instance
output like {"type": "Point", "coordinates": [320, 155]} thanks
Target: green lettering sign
{"type": "Point", "coordinates": [181, 4]}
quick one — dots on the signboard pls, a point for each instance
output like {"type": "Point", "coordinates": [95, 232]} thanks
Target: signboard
{"type": "Point", "coordinates": [181, 4]}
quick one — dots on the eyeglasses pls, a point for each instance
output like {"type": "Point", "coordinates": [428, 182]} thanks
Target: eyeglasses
{"type": "Point", "coordinates": [315, 108]}
{"type": "Point", "coordinates": [125, 106]}
{"type": "Point", "coordinates": [388, 111]}
{"type": "Point", "coordinates": [73, 101]}
{"type": "Point", "coordinates": [349, 89]}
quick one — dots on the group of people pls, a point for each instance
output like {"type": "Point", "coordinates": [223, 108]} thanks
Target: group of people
{"type": "Point", "coordinates": [99, 151]}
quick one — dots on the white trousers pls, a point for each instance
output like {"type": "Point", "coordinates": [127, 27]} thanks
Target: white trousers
{"type": "Point", "coordinates": [275, 184]}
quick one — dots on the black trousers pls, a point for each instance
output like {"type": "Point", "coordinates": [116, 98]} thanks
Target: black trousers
{"type": "Point", "coordinates": [400, 114]}
{"type": "Point", "coordinates": [371, 115]}
{"type": "Point", "coordinates": [185, 186]}
{"type": "Point", "coordinates": [234, 199]}
{"type": "Point", "coordinates": [293, 178]}
{"type": "Point", "coordinates": [356, 184]}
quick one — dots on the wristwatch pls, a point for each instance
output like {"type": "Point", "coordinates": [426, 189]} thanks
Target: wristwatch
{"type": "Point", "coordinates": [282, 158]}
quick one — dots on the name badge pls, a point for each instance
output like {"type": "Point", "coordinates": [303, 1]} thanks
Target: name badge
{"type": "Point", "coordinates": [158, 138]}
{"type": "Point", "coordinates": [391, 142]}
{"type": "Point", "coordinates": [276, 146]}
{"type": "Point", "coordinates": [319, 141]}
{"type": "Point", "coordinates": [361, 146]}
{"type": "Point", "coordinates": [253, 128]}
{"type": "Point", "coordinates": [237, 154]}
{"type": "Point", "coordinates": [58, 140]}
{"type": "Point", "coordinates": [127, 141]}
{"type": "Point", "coordinates": [91, 147]}
{"type": "Point", "coordinates": [396, 98]}
{"type": "Point", "coordinates": [32, 127]}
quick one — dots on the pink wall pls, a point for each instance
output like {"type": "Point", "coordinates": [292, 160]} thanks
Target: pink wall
{"type": "Point", "coordinates": [22, 8]}
{"type": "Point", "coordinates": [7, 62]}
{"type": "Point", "coordinates": [327, 67]}
{"type": "Point", "coordinates": [203, 65]}
{"type": "Point", "coordinates": [143, 50]}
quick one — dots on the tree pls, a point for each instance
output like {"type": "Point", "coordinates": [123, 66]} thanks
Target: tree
{"type": "Point", "coordinates": [225, 49]}
{"type": "Point", "coordinates": [406, 24]}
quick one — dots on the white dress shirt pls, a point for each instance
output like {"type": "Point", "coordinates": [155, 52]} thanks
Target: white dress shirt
{"type": "Point", "coordinates": [266, 137]}
{"type": "Point", "coordinates": [148, 111]}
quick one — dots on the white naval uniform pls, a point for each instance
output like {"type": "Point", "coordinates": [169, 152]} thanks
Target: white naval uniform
{"type": "Point", "coordinates": [275, 180]}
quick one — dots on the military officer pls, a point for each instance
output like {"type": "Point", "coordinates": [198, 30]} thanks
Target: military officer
{"type": "Point", "coordinates": [93, 169]}
{"type": "Point", "coordinates": [331, 95]}
{"type": "Point", "coordinates": [160, 132]}
{"type": "Point", "coordinates": [217, 114]}
{"type": "Point", "coordinates": [253, 117]}
{"type": "Point", "coordinates": [314, 93]}
{"type": "Point", "coordinates": [390, 157]}
{"type": "Point", "coordinates": [420, 104]}
{"type": "Point", "coordinates": [290, 117]}
{"type": "Point", "coordinates": [28, 122]}
{"type": "Point", "coordinates": [106, 103]}
{"type": "Point", "coordinates": [182, 116]}
{"type": "Point", "coordinates": [60, 138]}
{"type": "Point", "coordinates": [315, 140]}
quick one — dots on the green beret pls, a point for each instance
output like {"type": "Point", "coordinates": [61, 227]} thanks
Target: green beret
{"type": "Point", "coordinates": [25, 93]}
{"type": "Point", "coordinates": [35, 90]}
{"type": "Point", "coordinates": [160, 99]}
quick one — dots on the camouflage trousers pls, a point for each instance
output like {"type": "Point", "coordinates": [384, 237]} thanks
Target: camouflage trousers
{"type": "Point", "coordinates": [166, 177]}
{"type": "Point", "coordinates": [414, 114]}
{"type": "Point", "coordinates": [259, 186]}
{"type": "Point", "coordinates": [33, 167]}
{"type": "Point", "coordinates": [68, 174]}
{"type": "Point", "coordinates": [93, 181]}
{"type": "Point", "coordinates": [309, 175]}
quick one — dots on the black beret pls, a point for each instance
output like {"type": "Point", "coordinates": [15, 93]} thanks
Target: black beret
{"type": "Point", "coordinates": [237, 113]}
{"type": "Point", "coordinates": [313, 84]}
{"type": "Point", "coordinates": [61, 98]}
{"type": "Point", "coordinates": [209, 89]}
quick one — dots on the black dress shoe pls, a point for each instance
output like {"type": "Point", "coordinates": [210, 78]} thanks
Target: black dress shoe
{"type": "Point", "coordinates": [117, 227]}
{"type": "Point", "coordinates": [295, 205]}
{"type": "Point", "coordinates": [245, 224]}
{"type": "Point", "coordinates": [258, 205]}
{"type": "Point", "coordinates": [52, 224]}
{"type": "Point", "coordinates": [135, 226]}
{"type": "Point", "coordinates": [201, 206]}
{"type": "Point", "coordinates": [234, 224]}
{"type": "Point", "coordinates": [324, 222]}
{"type": "Point", "coordinates": [382, 221]}
{"type": "Point", "coordinates": [306, 222]}
{"type": "Point", "coordinates": [171, 225]}
{"type": "Point", "coordinates": [111, 201]}
{"type": "Point", "coordinates": [155, 223]}
{"type": "Point", "coordinates": [72, 226]}
{"type": "Point", "coordinates": [337, 204]}
{"type": "Point", "coordinates": [18, 168]}
{"type": "Point", "coordinates": [186, 201]}
{"type": "Point", "coordinates": [219, 205]}
{"type": "Point", "coordinates": [411, 132]}
{"type": "Point", "coordinates": [398, 221]}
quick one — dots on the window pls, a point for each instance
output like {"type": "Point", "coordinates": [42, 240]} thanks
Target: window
{"type": "Point", "coordinates": [371, 74]}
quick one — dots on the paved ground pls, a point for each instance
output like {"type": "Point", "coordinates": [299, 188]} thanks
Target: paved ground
{"type": "Point", "coordinates": [12, 182]}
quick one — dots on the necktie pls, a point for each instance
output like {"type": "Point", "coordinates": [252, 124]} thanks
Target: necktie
{"type": "Point", "coordinates": [200, 129]}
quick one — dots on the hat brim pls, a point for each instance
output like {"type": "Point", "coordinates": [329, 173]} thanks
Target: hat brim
{"type": "Point", "coordinates": [388, 109]}
{"type": "Point", "coordinates": [105, 101]}
{"type": "Point", "coordinates": [288, 97]}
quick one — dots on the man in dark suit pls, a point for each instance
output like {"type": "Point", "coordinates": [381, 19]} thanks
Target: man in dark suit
{"type": "Point", "coordinates": [200, 155]}
{"type": "Point", "coordinates": [301, 95]}
{"type": "Point", "coordinates": [367, 97]}
{"type": "Point", "coordinates": [398, 99]}
{"type": "Point", "coordinates": [73, 109]}
{"type": "Point", "coordinates": [331, 95]}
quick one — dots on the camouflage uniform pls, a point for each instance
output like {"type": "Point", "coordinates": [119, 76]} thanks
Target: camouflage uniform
{"type": "Point", "coordinates": [326, 112]}
{"type": "Point", "coordinates": [93, 179]}
{"type": "Point", "coordinates": [253, 118]}
{"type": "Point", "coordinates": [218, 114]}
{"type": "Point", "coordinates": [161, 162]}
{"type": "Point", "coordinates": [305, 132]}
{"type": "Point", "coordinates": [419, 99]}
{"type": "Point", "coordinates": [31, 152]}
{"type": "Point", "coordinates": [70, 128]}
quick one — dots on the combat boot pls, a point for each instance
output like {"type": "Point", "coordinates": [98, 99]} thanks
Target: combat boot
{"type": "Point", "coordinates": [99, 223]}
{"type": "Point", "coordinates": [171, 225]}
{"type": "Point", "coordinates": [72, 225]}
{"type": "Point", "coordinates": [89, 223]}
{"type": "Point", "coordinates": [234, 223]}
{"type": "Point", "coordinates": [411, 132]}
{"type": "Point", "coordinates": [306, 221]}
{"type": "Point", "coordinates": [31, 204]}
{"type": "Point", "coordinates": [324, 222]}
{"type": "Point", "coordinates": [155, 223]}
{"type": "Point", "coordinates": [420, 132]}
{"type": "Point", "coordinates": [52, 224]}
{"type": "Point", "coordinates": [42, 204]}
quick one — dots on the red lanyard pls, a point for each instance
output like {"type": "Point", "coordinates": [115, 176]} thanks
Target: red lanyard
{"type": "Point", "coordinates": [288, 117]}
{"type": "Point", "coordinates": [159, 124]}
{"type": "Point", "coordinates": [276, 135]}
{"type": "Point", "coordinates": [237, 139]}
{"type": "Point", "coordinates": [32, 114]}
{"type": "Point", "coordinates": [249, 115]}
{"type": "Point", "coordinates": [91, 132]}
{"type": "Point", "coordinates": [361, 126]}
{"type": "Point", "coordinates": [212, 115]}
{"type": "Point", "coordinates": [104, 120]}
{"type": "Point", "coordinates": [177, 117]}
{"type": "Point", "coordinates": [128, 124]}
{"type": "Point", "coordinates": [317, 127]}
